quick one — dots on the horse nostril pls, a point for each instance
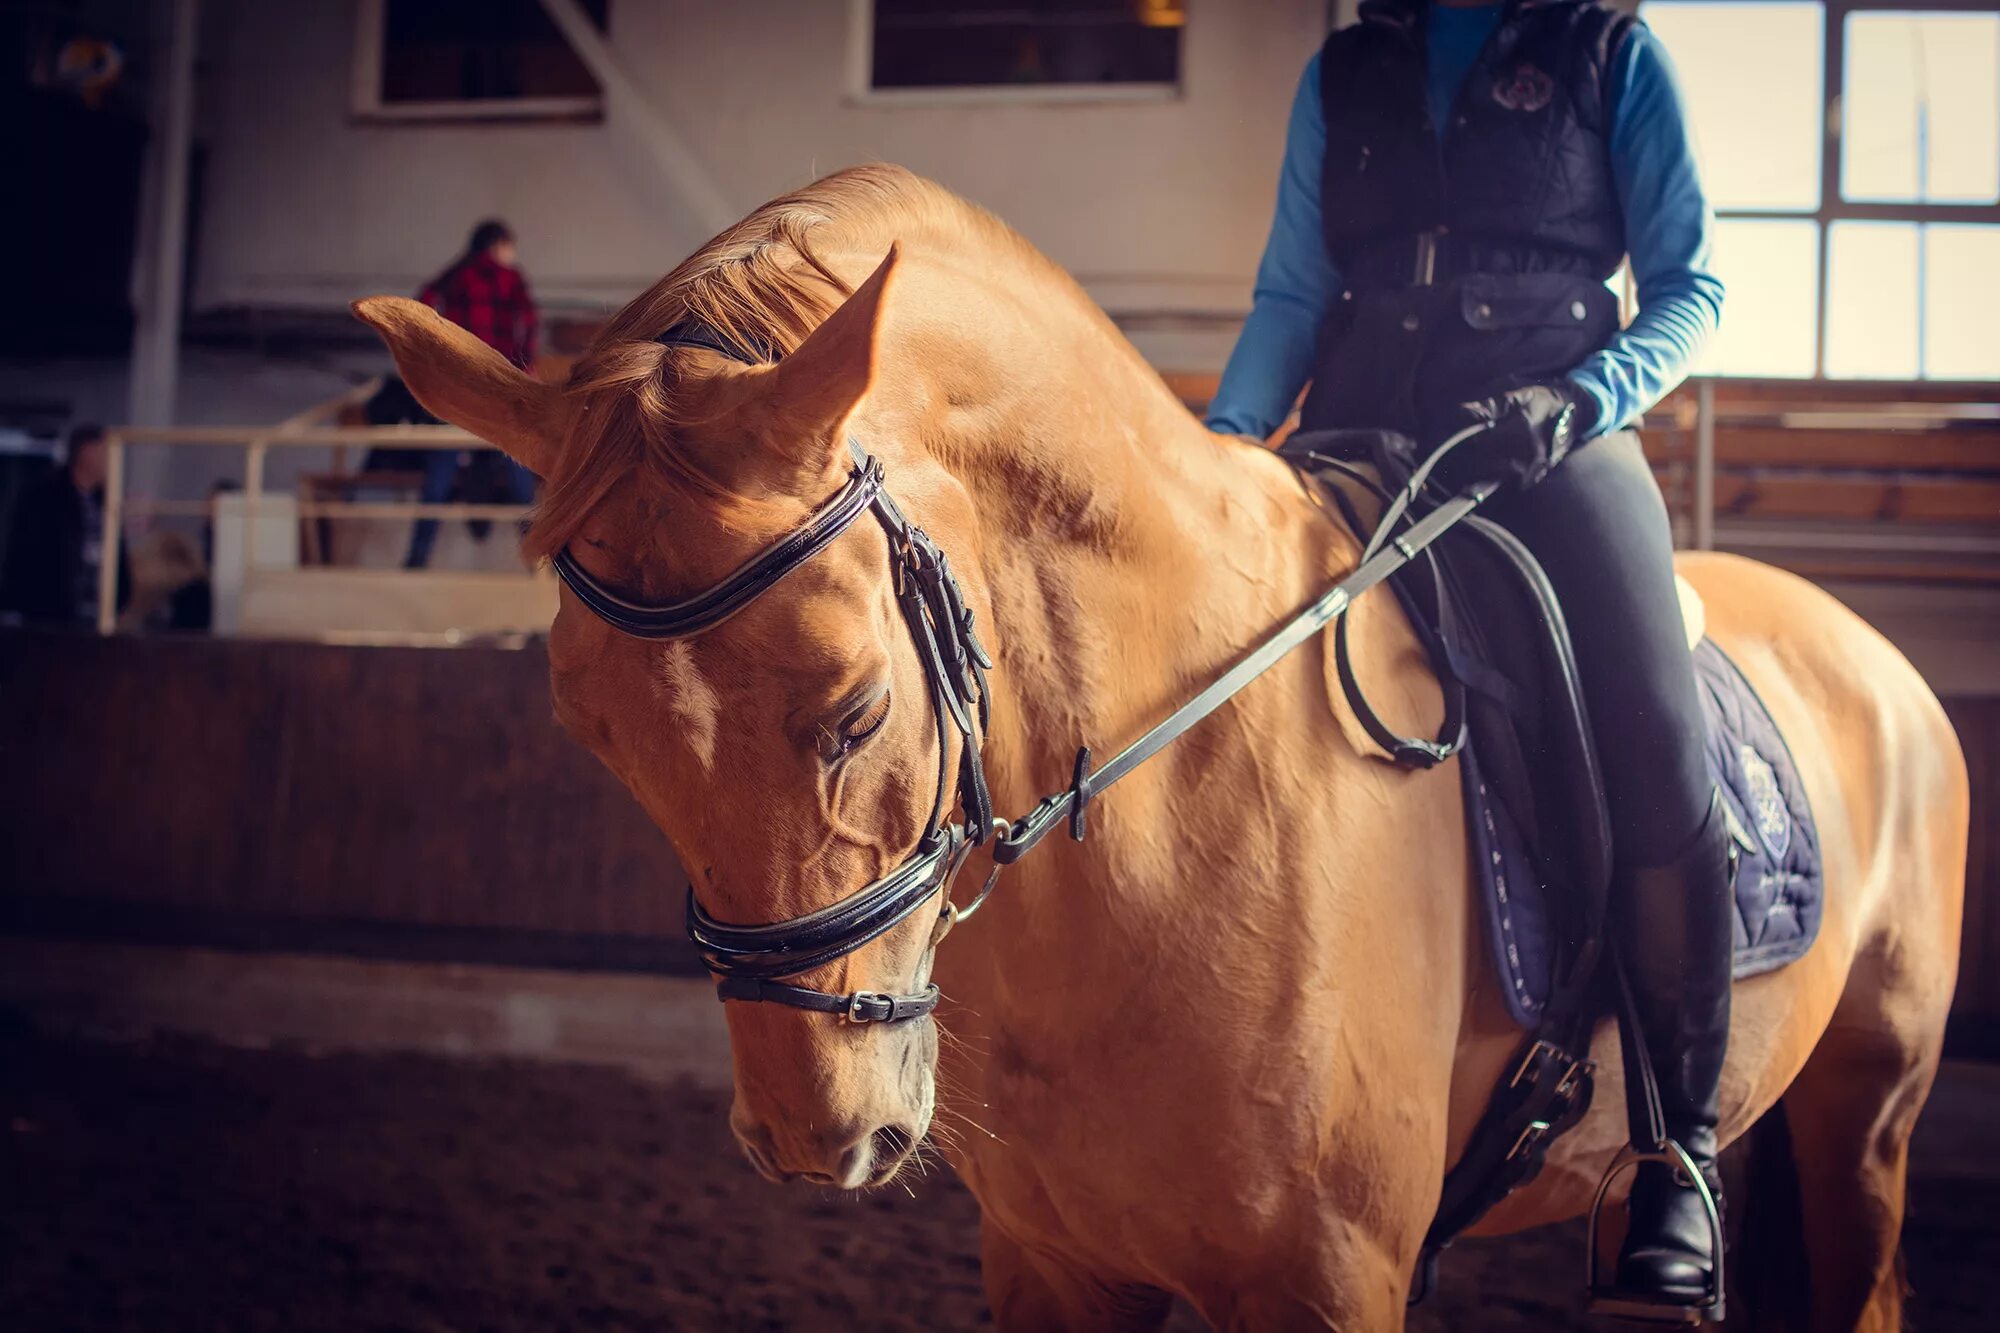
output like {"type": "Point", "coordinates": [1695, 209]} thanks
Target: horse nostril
{"type": "Point", "coordinates": [891, 1143]}
{"type": "Point", "coordinates": [852, 1170]}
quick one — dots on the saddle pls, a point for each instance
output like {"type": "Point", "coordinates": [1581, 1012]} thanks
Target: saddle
{"type": "Point", "coordinates": [1493, 628]}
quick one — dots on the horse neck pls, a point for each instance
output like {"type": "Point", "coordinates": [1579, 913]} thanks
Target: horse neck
{"type": "Point", "coordinates": [1129, 554]}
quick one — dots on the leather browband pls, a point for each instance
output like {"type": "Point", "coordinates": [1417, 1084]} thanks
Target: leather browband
{"type": "Point", "coordinates": [712, 606]}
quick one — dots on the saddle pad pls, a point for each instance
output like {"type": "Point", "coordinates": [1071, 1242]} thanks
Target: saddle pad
{"type": "Point", "coordinates": [1780, 884]}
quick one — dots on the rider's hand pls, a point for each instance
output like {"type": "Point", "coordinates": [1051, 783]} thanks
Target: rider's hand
{"type": "Point", "coordinates": [1531, 429]}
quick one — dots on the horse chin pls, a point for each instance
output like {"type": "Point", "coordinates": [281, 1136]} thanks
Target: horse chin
{"type": "Point", "coordinates": [856, 1151]}
{"type": "Point", "coordinates": [870, 1159]}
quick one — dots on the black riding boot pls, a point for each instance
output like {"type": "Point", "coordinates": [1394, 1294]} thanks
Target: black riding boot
{"type": "Point", "coordinates": [1675, 937]}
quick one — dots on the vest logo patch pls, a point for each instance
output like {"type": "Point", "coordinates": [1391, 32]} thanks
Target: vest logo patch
{"type": "Point", "coordinates": [1524, 89]}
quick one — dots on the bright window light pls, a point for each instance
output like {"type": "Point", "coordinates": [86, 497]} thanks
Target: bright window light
{"type": "Point", "coordinates": [1920, 117]}
{"type": "Point", "coordinates": [1961, 293]}
{"type": "Point", "coordinates": [1771, 269]}
{"type": "Point", "coordinates": [1871, 315]}
{"type": "Point", "coordinates": [1752, 74]}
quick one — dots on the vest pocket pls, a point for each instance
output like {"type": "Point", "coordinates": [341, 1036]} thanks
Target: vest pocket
{"type": "Point", "coordinates": [1490, 301]}
{"type": "Point", "coordinates": [1511, 330]}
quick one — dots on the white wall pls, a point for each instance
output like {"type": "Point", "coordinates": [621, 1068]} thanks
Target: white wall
{"type": "Point", "coordinates": [1159, 206]}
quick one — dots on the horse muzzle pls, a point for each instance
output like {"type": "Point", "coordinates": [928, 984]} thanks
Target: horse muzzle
{"type": "Point", "coordinates": [851, 1157]}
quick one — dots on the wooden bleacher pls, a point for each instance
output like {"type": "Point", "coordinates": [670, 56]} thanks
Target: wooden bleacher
{"type": "Point", "coordinates": [1850, 482]}
{"type": "Point", "coordinates": [1870, 482]}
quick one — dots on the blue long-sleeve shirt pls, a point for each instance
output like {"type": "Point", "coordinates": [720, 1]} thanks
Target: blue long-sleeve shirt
{"type": "Point", "coordinates": [1667, 225]}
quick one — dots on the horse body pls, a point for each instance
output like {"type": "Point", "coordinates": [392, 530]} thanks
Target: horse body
{"type": "Point", "coordinates": [1179, 1037]}
{"type": "Point", "coordinates": [1225, 1047]}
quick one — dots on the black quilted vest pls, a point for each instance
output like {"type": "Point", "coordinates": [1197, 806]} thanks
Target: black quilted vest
{"type": "Point", "coordinates": [1475, 262]}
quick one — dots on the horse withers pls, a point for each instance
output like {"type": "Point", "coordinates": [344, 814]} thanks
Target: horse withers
{"type": "Point", "coordinates": [1225, 1047]}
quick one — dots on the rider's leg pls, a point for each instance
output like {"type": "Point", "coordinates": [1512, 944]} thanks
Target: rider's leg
{"type": "Point", "coordinates": [1600, 528]}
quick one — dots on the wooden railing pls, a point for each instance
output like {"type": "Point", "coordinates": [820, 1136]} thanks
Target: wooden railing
{"type": "Point", "coordinates": [1898, 482]}
{"type": "Point", "coordinates": [1839, 481]}
{"type": "Point", "coordinates": [257, 442]}
{"type": "Point", "coordinates": [1842, 481]}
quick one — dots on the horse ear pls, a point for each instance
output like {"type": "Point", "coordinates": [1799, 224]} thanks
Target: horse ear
{"type": "Point", "coordinates": [819, 386]}
{"type": "Point", "coordinates": [461, 379]}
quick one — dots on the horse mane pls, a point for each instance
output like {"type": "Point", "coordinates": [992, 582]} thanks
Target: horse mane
{"type": "Point", "coordinates": [762, 287]}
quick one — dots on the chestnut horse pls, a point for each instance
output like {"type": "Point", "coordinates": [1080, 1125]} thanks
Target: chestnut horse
{"type": "Point", "coordinates": [1225, 1048]}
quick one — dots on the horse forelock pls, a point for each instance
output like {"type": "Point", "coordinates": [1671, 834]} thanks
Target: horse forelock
{"type": "Point", "coordinates": [762, 286]}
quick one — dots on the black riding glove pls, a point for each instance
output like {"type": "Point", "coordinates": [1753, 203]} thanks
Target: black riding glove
{"type": "Point", "coordinates": [1531, 429]}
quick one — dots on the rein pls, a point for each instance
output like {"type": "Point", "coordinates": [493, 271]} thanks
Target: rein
{"type": "Point", "coordinates": [751, 962]}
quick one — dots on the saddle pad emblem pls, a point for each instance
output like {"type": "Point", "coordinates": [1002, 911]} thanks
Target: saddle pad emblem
{"type": "Point", "coordinates": [1780, 881]}
{"type": "Point", "coordinates": [1767, 803]}
{"type": "Point", "coordinates": [1524, 89]}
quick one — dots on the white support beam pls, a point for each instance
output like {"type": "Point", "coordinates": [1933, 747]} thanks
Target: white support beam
{"type": "Point", "coordinates": [156, 333]}
{"type": "Point", "coordinates": [628, 111]}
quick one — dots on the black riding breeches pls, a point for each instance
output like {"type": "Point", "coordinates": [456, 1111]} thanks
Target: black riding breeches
{"type": "Point", "coordinates": [1599, 527]}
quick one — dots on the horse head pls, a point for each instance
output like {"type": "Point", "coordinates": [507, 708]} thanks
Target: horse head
{"type": "Point", "coordinates": [790, 751]}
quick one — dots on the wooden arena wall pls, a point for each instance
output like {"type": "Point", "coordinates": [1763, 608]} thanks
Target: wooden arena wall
{"type": "Point", "coordinates": [395, 801]}
{"type": "Point", "coordinates": [1976, 1007]}
{"type": "Point", "coordinates": [420, 803]}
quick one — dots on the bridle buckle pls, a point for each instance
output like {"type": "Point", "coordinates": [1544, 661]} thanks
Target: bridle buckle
{"type": "Point", "coordinates": [853, 1012]}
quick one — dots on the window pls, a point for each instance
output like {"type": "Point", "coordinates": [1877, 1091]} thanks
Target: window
{"type": "Point", "coordinates": [1029, 49]}
{"type": "Point", "coordinates": [470, 59]}
{"type": "Point", "coordinates": [1752, 77]}
{"type": "Point", "coordinates": [1874, 264]}
{"type": "Point", "coordinates": [1921, 120]}
{"type": "Point", "coordinates": [1770, 267]}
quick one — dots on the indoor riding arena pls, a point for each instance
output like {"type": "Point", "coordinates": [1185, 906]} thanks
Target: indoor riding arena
{"type": "Point", "coordinates": [798, 665]}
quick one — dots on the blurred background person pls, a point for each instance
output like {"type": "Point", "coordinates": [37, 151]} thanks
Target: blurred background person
{"type": "Point", "coordinates": [483, 292]}
{"type": "Point", "coordinates": [56, 547]}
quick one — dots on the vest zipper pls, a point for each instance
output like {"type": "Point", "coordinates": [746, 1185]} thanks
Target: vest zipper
{"type": "Point", "coordinates": [1417, 35]}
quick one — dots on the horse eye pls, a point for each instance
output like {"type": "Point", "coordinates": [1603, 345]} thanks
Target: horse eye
{"type": "Point", "coordinates": [856, 728]}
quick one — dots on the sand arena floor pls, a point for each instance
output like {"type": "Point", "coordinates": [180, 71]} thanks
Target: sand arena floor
{"type": "Point", "coordinates": [171, 1184]}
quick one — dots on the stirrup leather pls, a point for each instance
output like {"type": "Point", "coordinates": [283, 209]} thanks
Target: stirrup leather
{"type": "Point", "coordinates": [1607, 1299]}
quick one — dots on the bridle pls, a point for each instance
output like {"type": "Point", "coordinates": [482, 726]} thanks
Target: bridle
{"type": "Point", "coordinates": [750, 962]}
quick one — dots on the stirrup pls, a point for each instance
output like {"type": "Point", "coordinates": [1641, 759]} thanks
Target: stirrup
{"type": "Point", "coordinates": [1610, 1301]}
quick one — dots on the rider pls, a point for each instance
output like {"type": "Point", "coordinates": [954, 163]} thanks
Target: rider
{"type": "Point", "coordinates": [1460, 179]}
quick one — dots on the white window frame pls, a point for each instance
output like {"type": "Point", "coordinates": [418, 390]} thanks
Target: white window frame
{"type": "Point", "coordinates": [366, 89]}
{"type": "Point", "coordinates": [861, 78]}
{"type": "Point", "coordinates": [1834, 207]}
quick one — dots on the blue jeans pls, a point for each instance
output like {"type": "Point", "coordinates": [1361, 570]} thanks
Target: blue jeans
{"type": "Point", "coordinates": [441, 469]}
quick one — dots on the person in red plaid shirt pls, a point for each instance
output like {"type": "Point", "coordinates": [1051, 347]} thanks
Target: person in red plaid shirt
{"type": "Point", "coordinates": [484, 293]}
